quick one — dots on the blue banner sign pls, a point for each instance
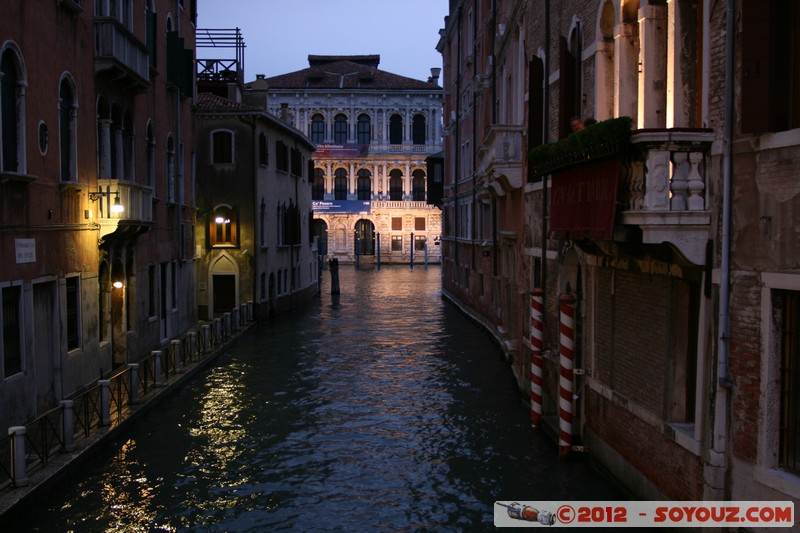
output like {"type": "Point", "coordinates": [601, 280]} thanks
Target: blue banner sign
{"type": "Point", "coordinates": [341, 207]}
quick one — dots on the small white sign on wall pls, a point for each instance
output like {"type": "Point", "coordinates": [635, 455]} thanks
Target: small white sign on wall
{"type": "Point", "coordinates": [26, 250]}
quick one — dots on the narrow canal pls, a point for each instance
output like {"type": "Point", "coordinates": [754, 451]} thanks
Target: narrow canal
{"type": "Point", "coordinates": [383, 409]}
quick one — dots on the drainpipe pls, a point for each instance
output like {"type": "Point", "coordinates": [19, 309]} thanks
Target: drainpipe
{"type": "Point", "coordinates": [727, 163]}
{"type": "Point", "coordinates": [719, 444]}
{"type": "Point", "coordinates": [545, 138]}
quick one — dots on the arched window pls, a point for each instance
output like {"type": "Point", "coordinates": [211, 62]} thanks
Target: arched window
{"type": "Point", "coordinates": [569, 90]}
{"type": "Point", "coordinates": [318, 190]}
{"type": "Point", "coordinates": [395, 185]}
{"type": "Point", "coordinates": [340, 129]}
{"type": "Point", "coordinates": [340, 184]}
{"type": "Point", "coordinates": [364, 184]}
{"type": "Point", "coordinates": [67, 131]}
{"type": "Point", "coordinates": [418, 185]}
{"type": "Point", "coordinates": [364, 237]}
{"type": "Point", "coordinates": [396, 129]}
{"type": "Point", "coordinates": [10, 107]}
{"type": "Point", "coordinates": [317, 129]}
{"type": "Point", "coordinates": [418, 129]}
{"type": "Point", "coordinates": [364, 129]}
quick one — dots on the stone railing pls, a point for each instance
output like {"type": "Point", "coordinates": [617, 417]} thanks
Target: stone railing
{"type": "Point", "coordinates": [116, 45]}
{"type": "Point", "coordinates": [136, 200]}
{"type": "Point", "coordinates": [664, 191]}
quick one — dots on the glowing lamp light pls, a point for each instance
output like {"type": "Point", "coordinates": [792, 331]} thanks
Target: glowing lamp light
{"type": "Point", "coordinates": [117, 207]}
{"type": "Point", "coordinates": [117, 284]}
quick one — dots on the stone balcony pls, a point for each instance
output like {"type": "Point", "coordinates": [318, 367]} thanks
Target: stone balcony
{"type": "Point", "coordinates": [665, 194]}
{"type": "Point", "coordinates": [660, 182]}
{"type": "Point", "coordinates": [117, 49]}
{"type": "Point", "coordinates": [500, 158]}
{"type": "Point", "coordinates": [137, 203]}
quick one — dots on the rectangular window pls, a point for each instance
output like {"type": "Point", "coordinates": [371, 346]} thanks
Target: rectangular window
{"type": "Point", "coordinates": [222, 143]}
{"type": "Point", "coordinates": [12, 330]}
{"type": "Point", "coordinates": [397, 243]}
{"type": "Point", "coordinates": [419, 242]}
{"type": "Point", "coordinates": [151, 291]}
{"type": "Point", "coordinates": [419, 223]}
{"type": "Point", "coordinates": [770, 68]}
{"type": "Point", "coordinates": [263, 153]}
{"type": "Point", "coordinates": [787, 314]}
{"type": "Point", "coordinates": [397, 223]}
{"type": "Point", "coordinates": [222, 230]}
{"type": "Point", "coordinates": [174, 285]}
{"type": "Point", "coordinates": [281, 156]}
{"type": "Point", "coordinates": [73, 313]}
{"type": "Point", "coordinates": [297, 162]}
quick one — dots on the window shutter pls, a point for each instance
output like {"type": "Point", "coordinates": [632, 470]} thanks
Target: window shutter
{"type": "Point", "coordinates": [756, 90]}
{"type": "Point", "coordinates": [535, 106]}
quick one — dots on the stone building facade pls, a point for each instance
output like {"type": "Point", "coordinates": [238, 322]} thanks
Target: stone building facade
{"type": "Point", "coordinates": [656, 238]}
{"type": "Point", "coordinates": [374, 131]}
{"type": "Point", "coordinates": [96, 197]}
{"type": "Point", "coordinates": [254, 240]}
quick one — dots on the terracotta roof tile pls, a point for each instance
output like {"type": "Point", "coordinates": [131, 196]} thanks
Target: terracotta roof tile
{"type": "Point", "coordinates": [212, 102]}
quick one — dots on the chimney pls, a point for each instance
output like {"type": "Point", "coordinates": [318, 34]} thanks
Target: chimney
{"type": "Point", "coordinates": [435, 75]}
{"type": "Point", "coordinates": [256, 93]}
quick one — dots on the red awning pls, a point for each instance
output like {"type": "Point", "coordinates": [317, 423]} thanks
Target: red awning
{"type": "Point", "coordinates": [583, 201]}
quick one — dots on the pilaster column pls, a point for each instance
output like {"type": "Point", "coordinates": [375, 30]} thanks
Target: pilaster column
{"type": "Point", "coordinates": [626, 52]}
{"type": "Point", "coordinates": [653, 71]}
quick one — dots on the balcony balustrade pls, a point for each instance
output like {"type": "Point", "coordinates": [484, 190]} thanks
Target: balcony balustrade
{"type": "Point", "coordinates": [665, 193]}
{"type": "Point", "coordinates": [137, 204]}
{"type": "Point", "coordinates": [117, 48]}
{"type": "Point", "coordinates": [404, 148]}
{"type": "Point", "coordinates": [400, 204]}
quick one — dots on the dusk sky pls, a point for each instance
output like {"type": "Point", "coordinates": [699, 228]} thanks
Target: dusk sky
{"type": "Point", "coordinates": [279, 35]}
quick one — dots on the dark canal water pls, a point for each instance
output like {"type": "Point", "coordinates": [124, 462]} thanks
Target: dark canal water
{"type": "Point", "coordinates": [384, 409]}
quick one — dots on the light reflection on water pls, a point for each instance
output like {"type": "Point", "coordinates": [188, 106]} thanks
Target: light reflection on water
{"type": "Point", "coordinates": [382, 409]}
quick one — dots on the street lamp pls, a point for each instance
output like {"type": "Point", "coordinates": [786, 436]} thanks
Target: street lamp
{"type": "Point", "coordinates": [116, 207]}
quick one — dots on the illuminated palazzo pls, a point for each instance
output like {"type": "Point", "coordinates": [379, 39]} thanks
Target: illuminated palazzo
{"type": "Point", "coordinates": [374, 132]}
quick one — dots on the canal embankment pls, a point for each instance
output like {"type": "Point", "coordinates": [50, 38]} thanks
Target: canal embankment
{"type": "Point", "coordinates": [68, 437]}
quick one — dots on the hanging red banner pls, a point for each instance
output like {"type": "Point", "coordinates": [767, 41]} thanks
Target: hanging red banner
{"type": "Point", "coordinates": [583, 201]}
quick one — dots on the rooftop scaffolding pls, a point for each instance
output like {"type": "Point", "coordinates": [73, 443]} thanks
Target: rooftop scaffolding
{"type": "Point", "coordinates": [225, 69]}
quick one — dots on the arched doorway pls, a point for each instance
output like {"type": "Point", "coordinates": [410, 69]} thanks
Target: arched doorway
{"type": "Point", "coordinates": [224, 281]}
{"type": "Point", "coordinates": [364, 237]}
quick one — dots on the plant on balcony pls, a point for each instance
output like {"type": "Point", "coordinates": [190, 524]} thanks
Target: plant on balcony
{"type": "Point", "coordinates": [604, 139]}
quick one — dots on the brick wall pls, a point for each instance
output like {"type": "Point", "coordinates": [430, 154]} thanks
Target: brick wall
{"type": "Point", "coordinates": [673, 469]}
{"type": "Point", "coordinates": [745, 365]}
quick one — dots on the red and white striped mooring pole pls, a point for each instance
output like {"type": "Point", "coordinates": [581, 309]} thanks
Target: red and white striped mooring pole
{"type": "Point", "coordinates": [537, 336]}
{"type": "Point", "coordinates": [565, 383]}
